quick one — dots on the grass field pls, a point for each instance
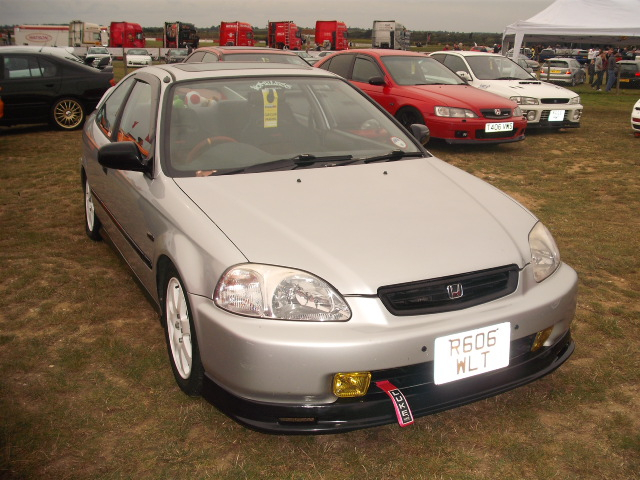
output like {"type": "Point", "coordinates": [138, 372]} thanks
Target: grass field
{"type": "Point", "coordinates": [86, 390]}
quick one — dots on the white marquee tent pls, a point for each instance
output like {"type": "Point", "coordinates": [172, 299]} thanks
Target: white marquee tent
{"type": "Point", "coordinates": [597, 22]}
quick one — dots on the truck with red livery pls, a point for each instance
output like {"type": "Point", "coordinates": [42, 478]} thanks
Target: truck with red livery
{"type": "Point", "coordinates": [331, 35]}
{"type": "Point", "coordinates": [284, 35]}
{"type": "Point", "coordinates": [180, 35]}
{"type": "Point", "coordinates": [236, 34]}
{"type": "Point", "coordinates": [126, 35]}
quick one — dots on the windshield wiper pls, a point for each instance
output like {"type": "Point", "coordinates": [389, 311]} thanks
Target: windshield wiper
{"type": "Point", "coordinates": [309, 159]}
{"type": "Point", "coordinates": [302, 160]}
{"type": "Point", "coordinates": [392, 156]}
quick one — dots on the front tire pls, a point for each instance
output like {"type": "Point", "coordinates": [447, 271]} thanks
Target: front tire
{"type": "Point", "coordinates": [180, 335]}
{"type": "Point", "coordinates": [92, 223]}
{"type": "Point", "coordinates": [67, 114]}
{"type": "Point", "coordinates": [407, 116]}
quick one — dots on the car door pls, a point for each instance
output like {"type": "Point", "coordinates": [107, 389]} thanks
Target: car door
{"type": "Point", "coordinates": [132, 229]}
{"type": "Point", "coordinates": [364, 69]}
{"type": "Point", "coordinates": [28, 86]}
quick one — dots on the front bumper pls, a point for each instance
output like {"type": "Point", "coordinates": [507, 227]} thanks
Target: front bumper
{"type": "Point", "coordinates": [375, 409]}
{"type": "Point", "coordinates": [472, 130]}
{"type": "Point", "coordinates": [266, 373]}
{"type": "Point", "coordinates": [539, 117]}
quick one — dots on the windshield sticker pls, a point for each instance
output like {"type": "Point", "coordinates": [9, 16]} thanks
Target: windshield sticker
{"type": "Point", "coordinates": [398, 142]}
{"type": "Point", "coordinates": [270, 84]}
{"type": "Point", "coordinates": [270, 99]}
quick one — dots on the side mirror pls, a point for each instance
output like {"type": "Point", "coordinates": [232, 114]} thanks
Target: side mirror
{"type": "Point", "coordinates": [122, 156]}
{"type": "Point", "coordinates": [379, 81]}
{"type": "Point", "coordinates": [421, 132]}
{"type": "Point", "coordinates": [464, 75]}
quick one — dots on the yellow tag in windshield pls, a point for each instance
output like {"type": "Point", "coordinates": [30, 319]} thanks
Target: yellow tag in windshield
{"type": "Point", "coordinates": [270, 97]}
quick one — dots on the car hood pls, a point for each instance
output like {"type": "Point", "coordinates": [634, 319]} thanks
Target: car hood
{"type": "Point", "coordinates": [364, 226]}
{"type": "Point", "coordinates": [528, 88]}
{"type": "Point", "coordinates": [457, 96]}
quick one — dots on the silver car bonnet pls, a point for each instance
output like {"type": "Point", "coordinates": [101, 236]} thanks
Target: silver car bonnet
{"type": "Point", "coordinates": [360, 227]}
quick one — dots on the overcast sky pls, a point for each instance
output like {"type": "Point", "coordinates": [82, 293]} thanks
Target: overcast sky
{"type": "Point", "coordinates": [425, 15]}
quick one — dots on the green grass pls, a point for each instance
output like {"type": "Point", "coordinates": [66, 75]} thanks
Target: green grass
{"type": "Point", "coordinates": [85, 385]}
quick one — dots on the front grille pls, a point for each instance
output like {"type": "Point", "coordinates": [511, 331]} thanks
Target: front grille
{"type": "Point", "coordinates": [434, 296]}
{"type": "Point", "coordinates": [554, 101]}
{"type": "Point", "coordinates": [496, 113]}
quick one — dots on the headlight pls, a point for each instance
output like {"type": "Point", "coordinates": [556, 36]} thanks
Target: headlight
{"type": "Point", "coordinates": [525, 100]}
{"type": "Point", "coordinates": [266, 291]}
{"type": "Point", "coordinates": [454, 112]}
{"type": "Point", "coordinates": [574, 100]}
{"type": "Point", "coordinates": [517, 112]}
{"type": "Point", "coordinates": [545, 256]}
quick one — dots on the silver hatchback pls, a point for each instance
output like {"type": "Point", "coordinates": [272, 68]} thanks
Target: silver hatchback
{"type": "Point", "coordinates": [563, 70]}
{"type": "Point", "coordinates": [314, 267]}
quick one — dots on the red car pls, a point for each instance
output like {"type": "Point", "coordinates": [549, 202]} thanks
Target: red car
{"type": "Point", "coordinates": [418, 89]}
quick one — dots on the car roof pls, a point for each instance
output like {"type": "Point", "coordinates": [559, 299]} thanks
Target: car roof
{"type": "Point", "coordinates": [383, 52]}
{"type": "Point", "coordinates": [236, 49]}
{"type": "Point", "coordinates": [187, 71]}
{"type": "Point", "coordinates": [468, 53]}
{"type": "Point", "coordinates": [37, 49]}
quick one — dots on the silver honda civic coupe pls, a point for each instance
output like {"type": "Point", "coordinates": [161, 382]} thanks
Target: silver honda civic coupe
{"type": "Point", "coordinates": [316, 270]}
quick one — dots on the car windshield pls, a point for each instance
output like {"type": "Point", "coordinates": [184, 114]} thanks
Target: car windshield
{"type": "Point", "coordinates": [264, 58]}
{"type": "Point", "coordinates": [231, 126]}
{"type": "Point", "coordinates": [98, 50]}
{"type": "Point", "coordinates": [487, 67]}
{"type": "Point", "coordinates": [180, 51]}
{"type": "Point", "coordinates": [417, 70]}
{"type": "Point", "coordinates": [137, 51]}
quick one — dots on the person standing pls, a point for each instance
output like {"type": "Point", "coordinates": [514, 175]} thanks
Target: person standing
{"type": "Point", "coordinates": [599, 67]}
{"type": "Point", "coordinates": [611, 70]}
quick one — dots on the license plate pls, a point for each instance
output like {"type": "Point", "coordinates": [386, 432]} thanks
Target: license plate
{"type": "Point", "coordinates": [622, 80]}
{"type": "Point", "coordinates": [555, 71]}
{"type": "Point", "coordinates": [466, 354]}
{"type": "Point", "coordinates": [498, 127]}
{"type": "Point", "coordinates": [556, 115]}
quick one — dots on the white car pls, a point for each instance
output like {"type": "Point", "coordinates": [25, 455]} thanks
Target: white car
{"type": "Point", "coordinates": [543, 104]}
{"type": "Point", "coordinates": [138, 57]}
{"type": "Point", "coordinates": [635, 119]}
{"type": "Point", "coordinates": [98, 57]}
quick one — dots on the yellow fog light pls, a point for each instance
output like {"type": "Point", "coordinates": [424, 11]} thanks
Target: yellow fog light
{"type": "Point", "coordinates": [541, 337]}
{"type": "Point", "coordinates": [349, 385]}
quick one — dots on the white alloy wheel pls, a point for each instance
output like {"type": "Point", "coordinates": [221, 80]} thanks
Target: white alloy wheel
{"type": "Point", "coordinates": [92, 223]}
{"type": "Point", "coordinates": [178, 328]}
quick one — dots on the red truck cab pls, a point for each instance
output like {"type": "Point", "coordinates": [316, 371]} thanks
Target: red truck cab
{"type": "Point", "coordinates": [236, 34]}
{"type": "Point", "coordinates": [284, 35]}
{"type": "Point", "coordinates": [331, 35]}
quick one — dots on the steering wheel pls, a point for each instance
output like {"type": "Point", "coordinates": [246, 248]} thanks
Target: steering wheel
{"type": "Point", "coordinates": [206, 144]}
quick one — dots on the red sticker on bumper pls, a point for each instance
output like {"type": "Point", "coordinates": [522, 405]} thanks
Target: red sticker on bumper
{"type": "Point", "coordinates": [403, 411]}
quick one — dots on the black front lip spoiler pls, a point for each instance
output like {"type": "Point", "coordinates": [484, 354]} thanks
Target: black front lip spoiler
{"type": "Point", "coordinates": [375, 409]}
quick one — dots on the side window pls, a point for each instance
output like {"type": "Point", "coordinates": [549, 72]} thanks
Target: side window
{"type": "Point", "coordinates": [455, 64]}
{"type": "Point", "coordinates": [341, 65]}
{"type": "Point", "coordinates": [364, 69]}
{"type": "Point", "coordinates": [108, 112]}
{"type": "Point", "coordinates": [195, 57]}
{"type": "Point", "coordinates": [209, 57]}
{"type": "Point", "coordinates": [21, 67]}
{"type": "Point", "coordinates": [136, 123]}
{"type": "Point", "coordinates": [47, 68]}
